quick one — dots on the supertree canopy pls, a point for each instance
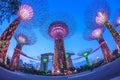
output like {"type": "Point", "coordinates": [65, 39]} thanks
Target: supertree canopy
{"type": "Point", "coordinates": [39, 12]}
{"type": "Point", "coordinates": [85, 53]}
{"type": "Point", "coordinates": [28, 14]}
{"type": "Point", "coordinates": [8, 8]}
{"type": "Point", "coordinates": [23, 37]}
{"type": "Point", "coordinates": [96, 34]}
{"type": "Point", "coordinates": [58, 27]}
{"type": "Point", "coordinates": [59, 17]}
{"type": "Point", "coordinates": [98, 15]}
{"type": "Point", "coordinates": [58, 30]}
{"type": "Point", "coordinates": [97, 6]}
{"type": "Point", "coordinates": [25, 12]}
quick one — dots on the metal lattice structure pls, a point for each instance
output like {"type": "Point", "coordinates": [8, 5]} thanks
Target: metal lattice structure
{"type": "Point", "coordinates": [96, 34]}
{"type": "Point", "coordinates": [58, 27]}
{"type": "Point", "coordinates": [31, 14]}
{"type": "Point", "coordinates": [23, 37]}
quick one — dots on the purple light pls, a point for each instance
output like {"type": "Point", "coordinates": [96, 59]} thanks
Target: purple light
{"type": "Point", "coordinates": [97, 33]}
{"type": "Point", "coordinates": [101, 18]}
{"type": "Point", "coordinates": [25, 12]}
{"type": "Point", "coordinates": [58, 29]}
{"type": "Point", "coordinates": [118, 21]}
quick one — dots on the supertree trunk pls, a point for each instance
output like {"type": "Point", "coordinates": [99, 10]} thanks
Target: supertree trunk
{"type": "Point", "coordinates": [59, 56]}
{"type": "Point", "coordinates": [106, 51]}
{"type": "Point", "coordinates": [16, 57]}
{"type": "Point", "coordinates": [69, 62]}
{"type": "Point", "coordinates": [87, 61]}
{"type": "Point", "coordinates": [6, 37]}
{"type": "Point", "coordinates": [115, 34]}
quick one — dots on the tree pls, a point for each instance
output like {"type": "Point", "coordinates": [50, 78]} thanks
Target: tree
{"type": "Point", "coordinates": [8, 8]}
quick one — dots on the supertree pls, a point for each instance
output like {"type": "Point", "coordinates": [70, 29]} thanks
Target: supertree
{"type": "Point", "coordinates": [85, 53]}
{"type": "Point", "coordinates": [98, 14]}
{"type": "Point", "coordinates": [58, 27]}
{"type": "Point", "coordinates": [28, 14]}
{"type": "Point", "coordinates": [69, 60]}
{"type": "Point", "coordinates": [8, 8]}
{"type": "Point", "coordinates": [23, 37]}
{"type": "Point", "coordinates": [96, 34]}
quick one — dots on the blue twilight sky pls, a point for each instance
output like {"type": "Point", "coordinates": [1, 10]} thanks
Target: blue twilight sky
{"type": "Point", "coordinates": [76, 43]}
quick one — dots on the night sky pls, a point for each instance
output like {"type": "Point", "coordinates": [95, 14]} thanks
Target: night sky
{"type": "Point", "coordinates": [75, 43]}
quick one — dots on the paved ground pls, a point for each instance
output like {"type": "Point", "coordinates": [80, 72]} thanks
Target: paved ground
{"type": "Point", "coordinates": [109, 71]}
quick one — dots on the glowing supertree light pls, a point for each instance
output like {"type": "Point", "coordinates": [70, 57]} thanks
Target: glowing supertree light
{"type": "Point", "coordinates": [118, 21]}
{"type": "Point", "coordinates": [22, 38]}
{"type": "Point", "coordinates": [59, 26]}
{"type": "Point", "coordinates": [101, 18]}
{"type": "Point", "coordinates": [97, 34]}
{"type": "Point", "coordinates": [27, 14]}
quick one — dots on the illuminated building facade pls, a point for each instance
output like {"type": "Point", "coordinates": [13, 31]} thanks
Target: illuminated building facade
{"type": "Point", "coordinates": [44, 62]}
{"type": "Point", "coordinates": [45, 59]}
